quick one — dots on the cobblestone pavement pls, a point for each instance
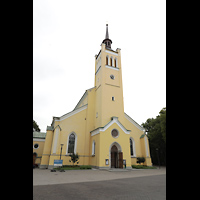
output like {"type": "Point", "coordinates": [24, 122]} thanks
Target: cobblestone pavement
{"type": "Point", "coordinates": [151, 187]}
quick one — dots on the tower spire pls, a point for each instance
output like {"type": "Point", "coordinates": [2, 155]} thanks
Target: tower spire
{"type": "Point", "coordinates": [107, 41]}
{"type": "Point", "coordinates": [107, 35]}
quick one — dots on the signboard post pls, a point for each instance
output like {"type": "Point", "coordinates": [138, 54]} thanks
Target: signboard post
{"type": "Point", "coordinates": [58, 163]}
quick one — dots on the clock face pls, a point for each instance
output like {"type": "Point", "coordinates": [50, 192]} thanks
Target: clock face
{"type": "Point", "coordinates": [112, 77]}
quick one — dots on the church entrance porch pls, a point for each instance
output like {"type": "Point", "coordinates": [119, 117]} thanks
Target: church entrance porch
{"type": "Point", "coordinates": [116, 157]}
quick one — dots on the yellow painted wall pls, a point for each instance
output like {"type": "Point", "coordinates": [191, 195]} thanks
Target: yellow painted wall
{"type": "Point", "coordinates": [109, 88]}
{"type": "Point", "coordinates": [106, 140]}
{"type": "Point", "coordinates": [94, 160]}
{"type": "Point", "coordinates": [135, 134]}
{"type": "Point", "coordinates": [39, 150]}
{"type": "Point", "coordinates": [47, 148]}
{"type": "Point", "coordinates": [98, 100]}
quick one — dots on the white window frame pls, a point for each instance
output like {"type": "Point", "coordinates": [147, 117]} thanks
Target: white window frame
{"type": "Point", "coordinates": [93, 147]}
{"type": "Point", "coordinates": [34, 146]}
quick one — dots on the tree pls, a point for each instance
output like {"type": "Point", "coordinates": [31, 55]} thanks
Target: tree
{"type": "Point", "coordinates": [156, 132]}
{"type": "Point", "coordinates": [74, 158]}
{"type": "Point", "coordinates": [35, 126]}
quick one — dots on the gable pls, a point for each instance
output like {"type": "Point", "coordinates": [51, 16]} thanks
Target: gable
{"type": "Point", "coordinates": [113, 120]}
{"type": "Point", "coordinates": [84, 99]}
{"type": "Point", "coordinates": [67, 115]}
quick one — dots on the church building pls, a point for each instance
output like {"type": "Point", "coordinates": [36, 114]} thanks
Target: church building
{"type": "Point", "coordinates": [98, 129]}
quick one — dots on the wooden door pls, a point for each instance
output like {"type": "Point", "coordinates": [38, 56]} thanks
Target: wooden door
{"type": "Point", "coordinates": [120, 159]}
{"type": "Point", "coordinates": [114, 152]}
{"type": "Point", "coordinates": [112, 160]}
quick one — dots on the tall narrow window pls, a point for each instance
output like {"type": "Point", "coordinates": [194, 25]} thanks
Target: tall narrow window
{"type": "Point", "coordinates": [115, 63]}
{"type": "Point", "coordinates": [71, 143]}
{"type": "Point", "coordinates": [111, 61]}
{"type": "Point", "coordinates": [106, 60]}
{"type": "Point", "coordinates": [93, 148]}
{"type": "Point", "coordinates": [131, 147]}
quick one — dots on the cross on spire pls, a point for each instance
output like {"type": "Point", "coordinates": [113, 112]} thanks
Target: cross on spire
{"type": "Point", "coordinates": [107, 41]}
{"type": "Point", "coordinates": [107, 35]}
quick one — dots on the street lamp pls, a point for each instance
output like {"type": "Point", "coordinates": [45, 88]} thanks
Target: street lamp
{"type": "Point", "coordinates": [158, 157]}
{"type": "Point", "coordinates": [61, 170]}
{"type": "Point", "coordinates": [61, 150]}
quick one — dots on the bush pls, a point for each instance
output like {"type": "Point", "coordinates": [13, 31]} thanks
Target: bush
{"type": "Point", "coordinates": [142, 167]}
{"type": "Point", "coordinates": [74, 158]}
{"type": "Point", "coordinates": [140, 160]}
{"type": "Point", "coordinates": [85, 167]}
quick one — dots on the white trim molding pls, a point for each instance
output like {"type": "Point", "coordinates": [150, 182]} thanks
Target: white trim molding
{"type": "Point", "coordinates": [134, 122]}
{"type": "Point", "coordinates": [111, 67]}
{"type": "Point", "coordinates": [93, 147]}
{"type": "Point", "coordinates": [38, 140]}
{"type": "Point", "coordinates": [102, 129]}
{"type": "Point", "coordinates": [71, 113]}
{"type": "Point", "coordinates": [55, 141]}
{"type": "Point", "coordinates": [146, 146]}
{"type": "Point", "coordinates": [116, 54]}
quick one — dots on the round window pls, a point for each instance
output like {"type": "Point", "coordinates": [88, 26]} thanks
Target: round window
{"type": "Point", "coordinates": [115, 133]}
{"type": "Point", "coordinates": [112, 77]}
{"type": "Point", "coordinates": [36, 146]}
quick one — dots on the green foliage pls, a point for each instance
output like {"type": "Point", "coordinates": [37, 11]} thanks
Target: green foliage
{"type": "Point", "coordinates": [156, 132]}
{"type": "Point", "coordinates": [74, 167]}
{"type": "Point", "coordinates": [35, 126]}
{"type": "Point", "coordinates": [74, 158]}
{"type": "Point", "coordinates": [140, 160]}
{"type": "Point", "coordinates": [142, 167]}
{"type": "Point", "coordinates": [85, 167]}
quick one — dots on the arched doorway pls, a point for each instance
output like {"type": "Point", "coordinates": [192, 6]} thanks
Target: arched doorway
{"type": "Point", "coordinates": [116, 156]}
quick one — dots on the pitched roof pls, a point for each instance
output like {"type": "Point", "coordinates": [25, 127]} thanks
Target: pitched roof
{"type": "Point", "coordinates": [134, 122]}
{"type": "Point", "coordinates": [83, 97]}
{"type": "Point", "coordinates": [39, 134]}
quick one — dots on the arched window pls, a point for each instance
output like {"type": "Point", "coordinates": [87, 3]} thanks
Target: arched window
{"type": "Point", "coordinates": [132, 147]}
{"type": "Point", "coordinates": [111, 61]}
{"type": "Point", "coordinates": [107, 60]}
{"type": "Point", "coordinates": [71, 143]}
{"type": "Point", "coordinates": [115, 64]}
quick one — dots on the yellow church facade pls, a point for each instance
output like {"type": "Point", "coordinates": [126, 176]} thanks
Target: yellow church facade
{"type": "Point", "coordinates": [98, 129]}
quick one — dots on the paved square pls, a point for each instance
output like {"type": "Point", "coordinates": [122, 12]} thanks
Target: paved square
{"type": "Point", "coordinates": [136, 185]}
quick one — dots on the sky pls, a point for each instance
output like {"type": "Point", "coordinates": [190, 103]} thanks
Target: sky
{"type": "Point", "coordinates": [67, 35]}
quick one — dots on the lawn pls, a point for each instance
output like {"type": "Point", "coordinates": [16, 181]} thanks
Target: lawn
{"type": "Point", "coordinates": [142, 167]}
{"type": "Point", "coordinates": [75, 167]}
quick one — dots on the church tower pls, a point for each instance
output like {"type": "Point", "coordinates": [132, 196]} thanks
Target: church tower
{"type": "Point", "coordinates": [108, 83]}
{"type": "Point", "coordinates": [97, 128]}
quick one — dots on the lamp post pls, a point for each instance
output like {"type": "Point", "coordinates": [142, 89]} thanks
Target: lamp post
{"type": "Point", "coordinates": [61, 150]}
{"type": "Point", "coordinates": [158, 157]}
{"type": "Point", "coordinates": [61, 170]}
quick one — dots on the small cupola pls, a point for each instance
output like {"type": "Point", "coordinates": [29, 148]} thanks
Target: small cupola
{"type": "Point", "coordinates": [107, 41]}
